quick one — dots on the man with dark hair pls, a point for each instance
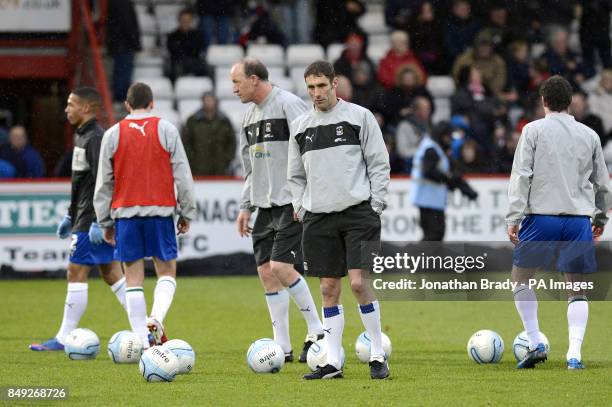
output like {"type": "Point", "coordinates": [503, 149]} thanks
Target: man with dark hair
{"type": "Point", "coordinates": [185, 46]}
{"type": "Point", "coordinates": [142, 161]}
{"type": "Point", "coordinates": [264, 141]}
{"type": "Point", "coordinates": [559, 194]}
{"type": "Point", "coordinates": [339, 175]}
{"type": "Point", "coordinates": [88, 248]}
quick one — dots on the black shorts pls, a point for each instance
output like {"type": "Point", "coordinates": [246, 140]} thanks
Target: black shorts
{"type": "Point", "coordinates": [332, 242]}
{"type": "Point", "coordinates": [276, 236]}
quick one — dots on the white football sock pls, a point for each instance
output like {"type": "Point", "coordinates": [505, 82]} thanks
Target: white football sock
{"type": "Point", "coordinates": [137, 313]}
{"type": "Point", "coordinates": [76, 303]}
{"type": "Point", "coordinates": [278, 305]}
{"type": "Point", "coordinates": [333, 320]}
{"type": "Point", "coordinates": [300, 292]}
{"type": "Point", "coordinates": [577, 318]}
{"type": "Point", "coordinates": [527, 307]}
{"type": "Point", "coordinates": [162, 297]}
{"type": "Point", "coordinates": [119, 290]}
{"type": "Point", "coordinates": [370, 316]}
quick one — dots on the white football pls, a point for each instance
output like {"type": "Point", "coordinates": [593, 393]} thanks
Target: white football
{"type": "Point", "coordinates": [265, 356]}
{"type": "Point", "coordinates": [363, 345]}
{"type": "Point", "coordinates": [485, 346]}
{"type": "Point", "coordinates": [158, 364]}
{"type": "Point", "coordinates": [82, 343]}
{"type": "Point", "coordinates": [317, 355]}
{"type": "Point", "coordinates": [125, 347]}
{"type": "Point", "coordinates": [184, 352]}
{"type": "Point", "coordinates": [520, 346]}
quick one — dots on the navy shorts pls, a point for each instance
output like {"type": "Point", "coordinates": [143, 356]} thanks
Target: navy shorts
{"type": "Point", "coordinates": [138, 238]}
{"type": "Point", "coordinates": [85, 253]}
{"type": "Point", "coordinates": [566, 239]}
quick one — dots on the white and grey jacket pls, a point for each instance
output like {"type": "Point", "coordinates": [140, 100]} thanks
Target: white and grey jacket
{"type": "Point", "coordinates": [264, 138]}
{"type": "Point", "coordinates": [337, 159]}
{"type": "Point", "coordinates": [170, 141]}
{"type": "Point", "coordinates": [559, 169]}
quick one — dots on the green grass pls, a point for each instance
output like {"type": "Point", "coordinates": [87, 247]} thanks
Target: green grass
{"type": "Point", "coordinates": [220, 317]}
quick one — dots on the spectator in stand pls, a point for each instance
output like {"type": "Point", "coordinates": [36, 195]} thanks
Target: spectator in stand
{"type": "Point", "coordinates": [499, 28]}
{"type": "Point", "coordinates": [215, 20]}
{"type": "Point", "coordinates": [185, 48]}
{"type": "Point", "coordinates": [209, 139]}
{"type": "Point", "coordinates": [412, 129]}
{"type": "Point", "coordinates": [427, 37]}
{"type": "Point", "coordinates": [122, 42]}
{"type": "Point", "coordinates": [63, 168]}
{"type": "Point", "coordinates": [396, 163]}
{"type": "Point", "coordinates": [491, 66]}
{"type": "Point", "coordinates": [461, 28]}
{"type": "Point", "coordinates": [335, 19]}
{"type": "Point", "coordinates": [399, 56]}
{"type": "Point", "coordinates": [398, 100]}
{"type": "Point", "coordinates": [261, 28]}
{"type": "Point", "coordinates": [294, 17]}
{"type": "Point", "coordinates": [518, 70]}
{"type": "Point", "coordinates": [470, 160]}
{"type": "Point", "coordinates": [504, 155]}
{"type": "Point", "coordinates": [561, 60]}
{"type": "Point", "coordinates": [353, 55]}
{"type": "Point", "coordinates": [366, 91]}
{"type": "Point", "coordinates": [21, 155]}
{"type": "Point", "coordinates": [600, 101]}
{"type": "Point", "coordinates": [474, 101]}
{"type": "Point", "coordinates": [398, 13]}
{"type": "Point", "coordinates": [595, 33]}
{"type": "Point", "coordinates": [579, 108]}
{"type": "Point", "coordinates": [538, 73]}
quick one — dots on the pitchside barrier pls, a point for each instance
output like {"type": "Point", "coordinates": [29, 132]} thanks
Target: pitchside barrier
{"type": "Point", "coordinates": [30, 211]}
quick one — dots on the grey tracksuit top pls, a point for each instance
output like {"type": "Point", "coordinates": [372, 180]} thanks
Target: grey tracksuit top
{"type": "Point", "coordinates": [264, 138]}
{"type": "Point", "coordinates": [337, 159]}
{"type": "Point", "coordinates": [559, 169]}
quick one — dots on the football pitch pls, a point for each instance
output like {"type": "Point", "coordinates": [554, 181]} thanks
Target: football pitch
{"type": "Point", "coordinates": [220, 317]}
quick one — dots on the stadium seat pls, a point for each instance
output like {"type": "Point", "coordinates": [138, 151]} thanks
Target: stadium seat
{"type": "Point", "coordinates": [373, 23]}
{"type": "Point", "coordinates": [441, 86]}
{"type": "Point", "coordinates": [275, 72]}
{"type": "Point", "coordinates": [297, 76]}
{"type": "Point", "coordinates": [145, 72]}
{"type": "Point", "coordinates": [169, 114]}
{"type": "Point", "coordinates": [192, 87]}
{"type": "Point", "coordinates": [224, 89]}
{"type": "Point", "coordinates": [443, 110]}
{"type": "Point", "coordinates": [269, 54]}
{"type": "Point", "coordinates": [234, 109]}
{"type": "Point", "coordinates": [222, 74]}
{"type": "Point", "coordinates": [380, 39]}
{"type": "Point", "coordinates": [376, 52]}
{"type": "Point", "coordinates": [334, 51]}
{"type": "Point", "coordinates": [148, 43]}
{"type": "Point", "coordinates": [283, 82]}
{"type": "Point", "coordinates": [146, 59]}
{"type": "Point", "coordinates": [167, 17]}
{"type": "Point", "coordinates": [146, 22]}
{"type": "Point", "coordinates": [304, 54]}
{"type": "Point", "coordinates": [161, 87]}
{"type": "Point", "coordinates": [223, 55]}
{"type": "Point", "coordinates": [187, 107]}
{"type": "Point", "coordinates": [163, 105]}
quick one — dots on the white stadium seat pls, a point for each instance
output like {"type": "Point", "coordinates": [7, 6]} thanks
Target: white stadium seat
{"type": "Point", "coordinates": [187, 107]}
{"type": "Point", "coordinates": [161, 87]}
{"type": "Point", "coordinates": [376, 52]}
{"type": "Point", "coordinates": [171, 115]}
{"type": "Point", "coordinates": [148, 42]}
{"type": "Point", "coordinates": [334, 51]}
{"type": "Point", "coordinates": [163, 104]}
{"type": "Point", "coordinates": [269, 54]}
{"type": "Point", "coordinates": [283, 82]}
{"type": "Point", "coordinates": [224, 55]}
{"type": "Point", "coordinates": [145, 72]}
{"type": "Point", "coordinates": [373, 23]}
{"type": "Point", "coordinates": [222, 74]}
{"type": "Point", "coordinates": [234, 109]}
{"type": "Point", "coordinates": [275, 72]}
{"type": "Point", "coordinates": [145, 59]}
{"type": "Point", "coordinates": [192, 87]}
{"type": "Point", "coordinates": [443, 110]}
{"type": "Point", "coordinates": [304, 54]}
{"type": "Point", "coordinates": [297, 76]}
{"type": "Point", "coordinates": [146, 23]}
{"type": "Point", "coordinates": [224, 89]}
{"type": "Point", "coordinates": [441, 86]}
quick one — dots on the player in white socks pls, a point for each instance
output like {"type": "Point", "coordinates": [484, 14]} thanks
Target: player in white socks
{"type": "Point", "coordinates": [264, 142]}
{"type": "Point", "coordinates": [559, 194]}
{"type": "Point", "coordinates": [87, 249]}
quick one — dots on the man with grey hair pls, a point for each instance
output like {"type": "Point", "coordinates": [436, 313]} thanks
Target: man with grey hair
{"type": "Point", "coordinates": [264, 143]}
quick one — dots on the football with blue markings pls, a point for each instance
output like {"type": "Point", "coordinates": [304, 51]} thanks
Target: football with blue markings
{"type": "Point", "coordinates": [363, 346]}
{"type": "Point", "coordinates": [158, 364]}
{"type": "Point", "coordinates": [125, 347]}
{"type": "Point", "coordinates": [265, 356]}
{"type": "Point", "coordinates": [82, 344]}
{"type": "Point", "coordinates": [185, 354]}
{"type": "Point", "coordinates": [485, 346]}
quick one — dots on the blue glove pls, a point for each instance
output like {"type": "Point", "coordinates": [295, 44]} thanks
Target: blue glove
{"type": "Point", "coordinates": [65, 227]}
{"type": "Point", "coordinates": [96, 236]}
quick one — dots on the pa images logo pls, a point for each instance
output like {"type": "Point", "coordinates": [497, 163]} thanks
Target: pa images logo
{"type": "Point", "coordinates": [258, 151]}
